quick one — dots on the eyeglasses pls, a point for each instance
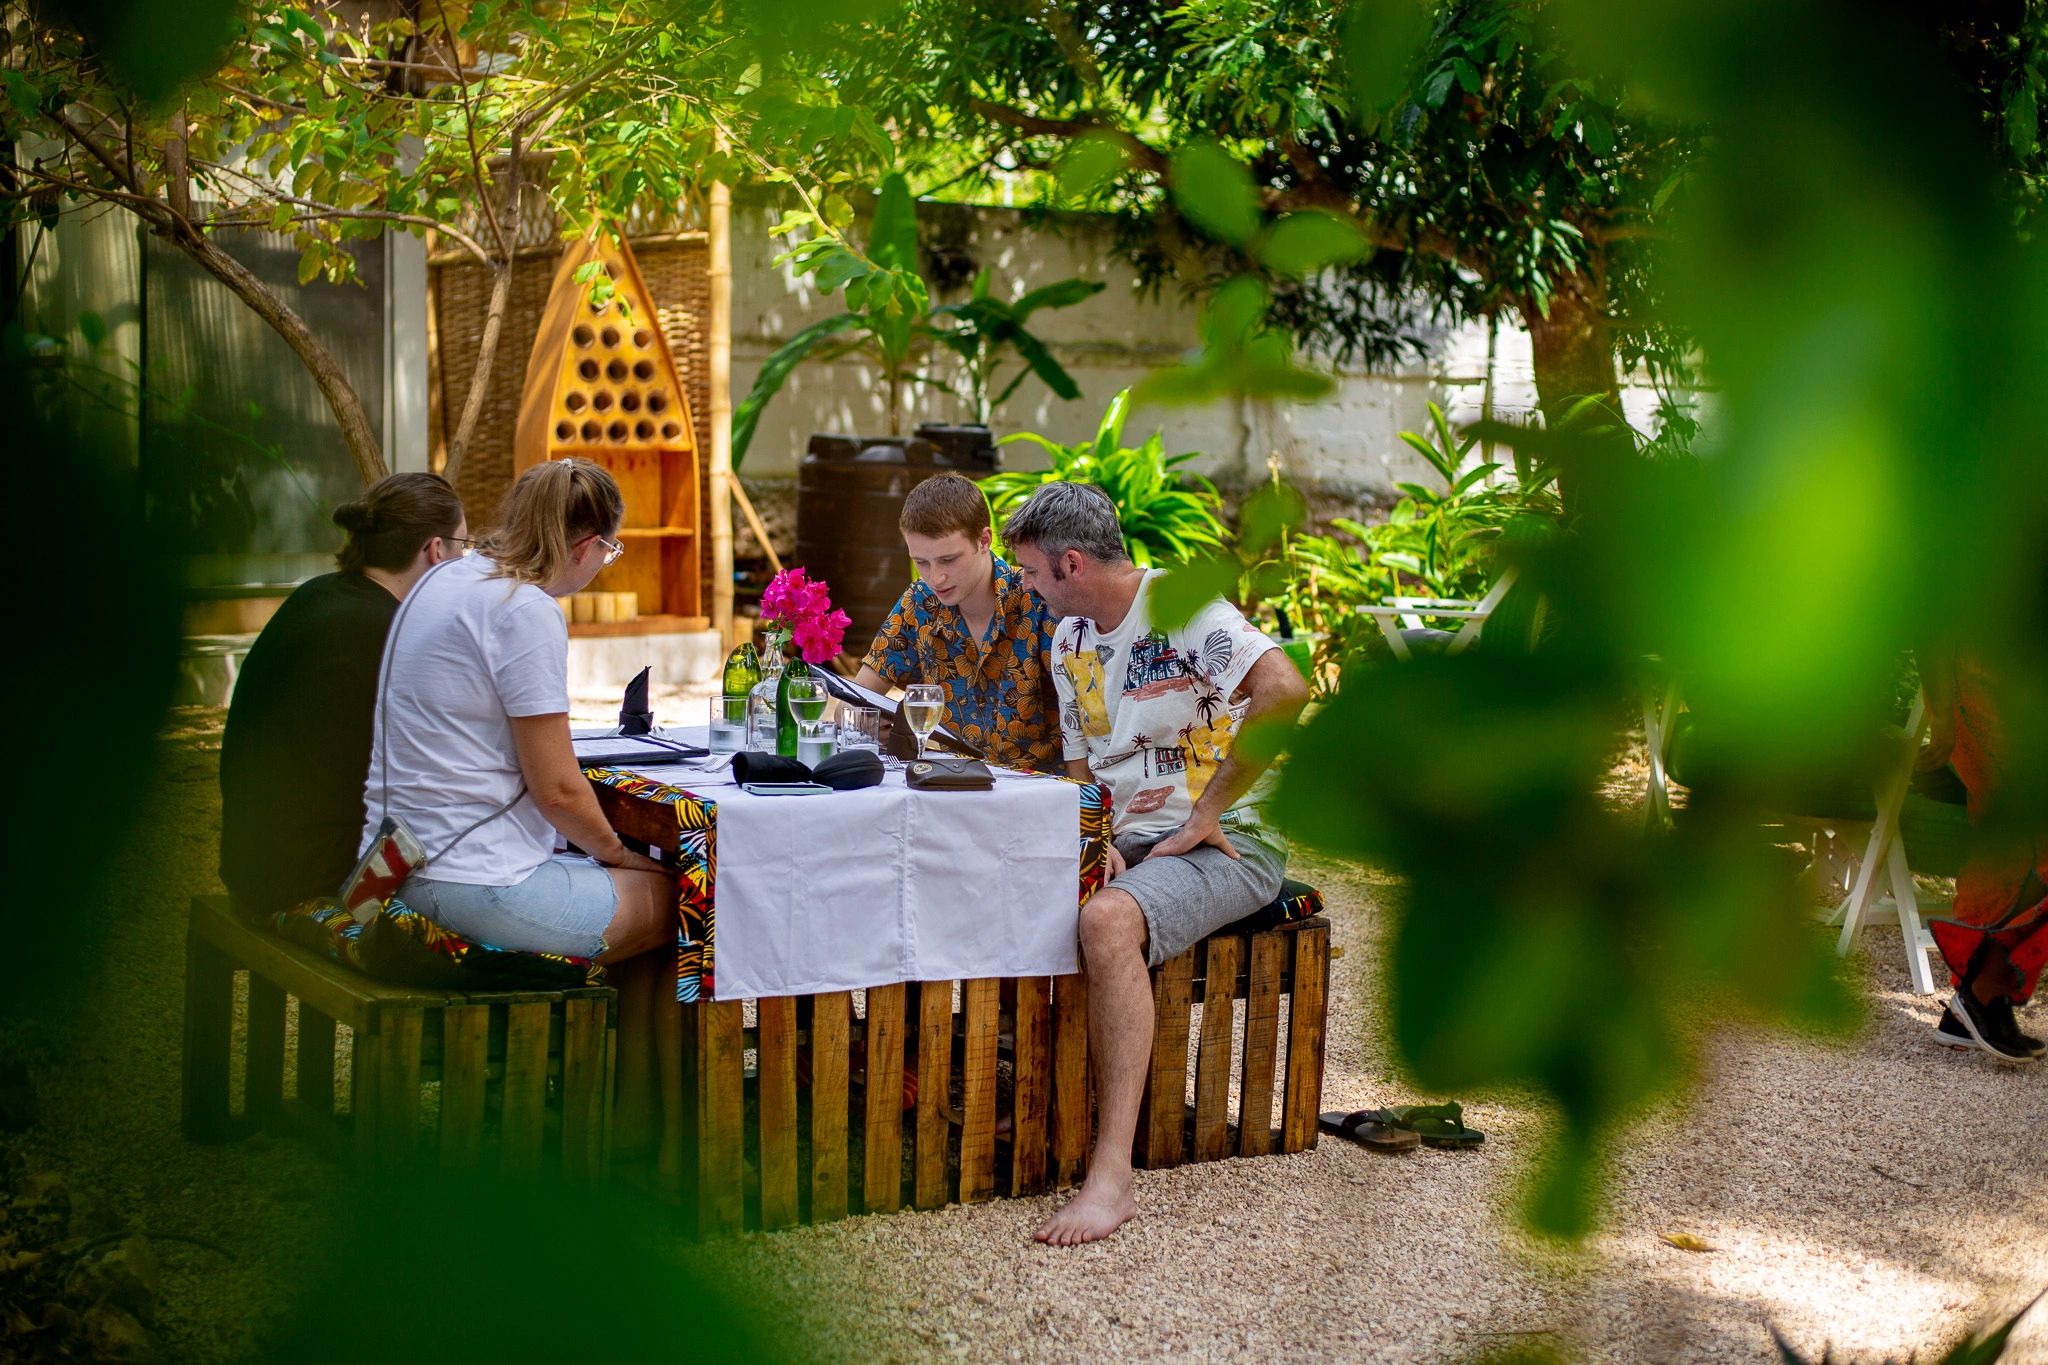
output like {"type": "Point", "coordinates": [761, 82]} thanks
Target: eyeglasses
{"type": "Point", "coordinates": [612, 548]}
{"type": "Point", "coordinates": [467, 543]}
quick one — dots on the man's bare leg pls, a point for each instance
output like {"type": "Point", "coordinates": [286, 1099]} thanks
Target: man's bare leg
{"type": "Point", "coordinates": [1120, 1026]}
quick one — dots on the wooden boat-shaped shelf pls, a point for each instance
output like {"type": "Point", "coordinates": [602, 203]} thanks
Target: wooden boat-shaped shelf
{"type": "Point", "coordinates": [602, 385]}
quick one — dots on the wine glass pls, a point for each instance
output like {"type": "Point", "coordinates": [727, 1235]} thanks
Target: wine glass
{"type": "Point", "coordinates": [923, 703]}
{"type": "Point", "coordinates": [807, 700]}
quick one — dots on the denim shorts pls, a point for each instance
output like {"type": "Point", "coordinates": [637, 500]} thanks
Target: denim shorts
{"type": "Point", "coordinates": [563, 906]}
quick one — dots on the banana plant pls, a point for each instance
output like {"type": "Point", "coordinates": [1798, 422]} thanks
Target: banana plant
{"type": "Point", "coordinates": [887, 303]}
{"type": "Point", "coordinates": [984, 329]}
{"type": "Point", "coordinates": [1167, 516]}
{"type": "Point", "coordinates": [890, 319]}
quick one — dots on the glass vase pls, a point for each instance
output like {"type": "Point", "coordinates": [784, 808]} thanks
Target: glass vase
{"type": "Point", "coordinates": [770, 689]}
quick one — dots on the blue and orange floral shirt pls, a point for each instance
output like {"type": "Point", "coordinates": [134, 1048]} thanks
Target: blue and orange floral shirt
{"type": "Point", "coordinates": [999, 689]}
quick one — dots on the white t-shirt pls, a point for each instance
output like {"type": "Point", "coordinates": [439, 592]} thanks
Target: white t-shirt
{"type": "Point", "coordinates": [1151, 710]}
{"type": "Point", "coordinates": [466, 653]}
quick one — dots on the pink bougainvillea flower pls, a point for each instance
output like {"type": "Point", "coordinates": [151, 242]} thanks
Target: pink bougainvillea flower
{"type": "Point", "coordinates": [783, 601]}
{"type": "Point", "coordinates": [819, 638]}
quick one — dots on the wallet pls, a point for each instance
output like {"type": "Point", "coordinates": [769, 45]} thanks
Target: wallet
{"type": "Point", "coordinates": [948, 775]}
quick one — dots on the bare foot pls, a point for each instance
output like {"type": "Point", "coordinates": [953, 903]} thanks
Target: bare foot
{"type": "Point", "coordinates": [1102, 1205]}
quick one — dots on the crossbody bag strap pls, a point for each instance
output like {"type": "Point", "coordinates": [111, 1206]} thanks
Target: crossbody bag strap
{"type": "Point", "coordinates": [384, 722]}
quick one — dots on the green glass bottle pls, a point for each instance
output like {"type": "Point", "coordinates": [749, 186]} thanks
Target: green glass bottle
{"type": "Point", "coordinates": [785, 719]}
{"type": "Point", "coordinates": [742, 670]}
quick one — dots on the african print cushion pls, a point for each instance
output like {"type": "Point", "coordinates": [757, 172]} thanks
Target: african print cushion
{"type": "Point", "coordinates": [405, 948]}
{"type": "Point", "coordinates": [1296, 901]}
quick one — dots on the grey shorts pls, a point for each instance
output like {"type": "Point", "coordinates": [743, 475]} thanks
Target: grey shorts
{"type": "Point", "coordinates": [1188, 896]}
{"type": "Point", "coordinates": [563, 906]}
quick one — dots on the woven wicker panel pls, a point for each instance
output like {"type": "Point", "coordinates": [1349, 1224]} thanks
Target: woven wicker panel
{"type": "Point", "coordinates": [675, 273]}
{"type": "Point", "coordinates": [675, 276]}
{"type": "Point", "coordinates": [462, 295]}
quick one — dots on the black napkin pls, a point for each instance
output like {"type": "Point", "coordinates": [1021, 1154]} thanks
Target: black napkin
{"type": "Point", "coordinates": [850, 770]}
{"type": "Point", "coordinates": [636, 717]}
{"type": "Point", "coordinates": [756, 766]}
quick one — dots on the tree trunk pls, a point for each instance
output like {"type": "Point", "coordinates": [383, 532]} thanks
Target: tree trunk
{"type": "Point", "coordinates": [1573, 352]}
{"type": "Point", "coordinates": [507, 228]}
{"type": "Point", "coordinates": [356, 431]}
{"type": "Point", "coordinates": [1573, 348]}
{"type": "Point", "coordinates": [480, 379]}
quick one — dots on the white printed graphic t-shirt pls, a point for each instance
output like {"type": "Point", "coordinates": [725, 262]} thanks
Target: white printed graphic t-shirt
{"type": "Point", "coordinates": [1150, 710]}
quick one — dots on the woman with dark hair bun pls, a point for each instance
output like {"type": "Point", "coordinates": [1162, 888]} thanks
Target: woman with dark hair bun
{"type": "Point", "coordinates": [297, 745]}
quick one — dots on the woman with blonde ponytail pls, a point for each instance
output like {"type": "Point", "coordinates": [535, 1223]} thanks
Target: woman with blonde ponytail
{"type": "Point", "coordinates": [472, 748]}
{"type": "Point", "coordinates": [472, 753]}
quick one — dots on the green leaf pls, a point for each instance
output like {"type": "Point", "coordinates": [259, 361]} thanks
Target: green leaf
{"type": "Point", "coordinates": [309, 263]}
{"type": "Point", "coordinates": [92, 327]}
{"type": "Point", "coordinates": [1061, 294]}
{"type": "Point", "coordinates": [1380, 39]}
{"type": "Point", "coordinates": [1597, 132]}
{"type": "Point", "coordinates": [893, 241]}
{"type": "Point", "coordinates": [836, 210]}
{"type": "Point", "coordinates": [2023, 121]}
{"type": "Point", "coordinates": [1185, 590]}
{"type": "Point", "coordinates": [1090, 163]}
{"type": "Point", "coordinates": [1303, 243]}
{"type": "Point", "coordinates": [1215, 192]}
{"type": "Point", "coordinates": [774, 371]}
{"type": "Point", "coordinates": [1268, 515]}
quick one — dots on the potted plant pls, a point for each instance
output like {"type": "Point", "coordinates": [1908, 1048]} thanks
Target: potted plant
{"type": "Point", "coordinates": [889, 318]}
{"type": "Point", "coordinates": [1167, 517]}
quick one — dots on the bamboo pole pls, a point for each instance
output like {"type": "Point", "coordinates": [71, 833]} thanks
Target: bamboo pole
{"type": "Point", "coordinates": [719, 358]}
{"type": "Point", "coordinates": [739, 495]}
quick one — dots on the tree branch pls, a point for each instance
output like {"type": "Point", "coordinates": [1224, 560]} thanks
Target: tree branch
{"type": "Point", "coordinates": [1144, 154]}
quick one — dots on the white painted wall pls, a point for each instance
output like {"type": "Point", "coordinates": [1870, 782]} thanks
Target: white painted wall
{"type": "Point", "coordinates": [1346, 445]}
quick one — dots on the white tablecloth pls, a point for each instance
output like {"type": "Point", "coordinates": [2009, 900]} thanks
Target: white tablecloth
{"type": "Point", "coordinates": [872, 887]}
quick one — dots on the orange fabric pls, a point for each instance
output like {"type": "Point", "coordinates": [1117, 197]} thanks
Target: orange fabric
{"type": "Point", "coordinates": [1994, 883]}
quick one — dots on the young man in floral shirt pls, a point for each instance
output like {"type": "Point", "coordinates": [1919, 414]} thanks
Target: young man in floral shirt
{"type": "Point", "coordinates": [970, 626]}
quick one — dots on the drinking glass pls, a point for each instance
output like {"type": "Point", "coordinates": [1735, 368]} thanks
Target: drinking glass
{"type": "Point", "coordinates": [728, 724]}
{"type": "Point", "coordinates": [860, 727]}
{"type": "Point", "coordinates": [923, 704]}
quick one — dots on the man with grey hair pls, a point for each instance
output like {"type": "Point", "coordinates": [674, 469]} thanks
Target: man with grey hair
{"type": "Point", "coordinates": [1150, 712]}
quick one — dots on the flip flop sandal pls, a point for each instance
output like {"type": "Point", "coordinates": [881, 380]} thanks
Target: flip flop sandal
{"type": "Point", "coordinates": [1437, 1125]}
{"type": "Point", "coordinates": [1369, 1128]}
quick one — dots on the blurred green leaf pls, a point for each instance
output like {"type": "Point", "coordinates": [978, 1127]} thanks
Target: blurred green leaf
{"type": "Point", "coordinates": [1189, 587]}
{"type": "Point", "coordinates": [1381, 39]}
{"type": "Point", "coordinates": [1090, 163]}
{"type": "Point", "coordinates": [1213, 189]}
{"type": "Point", "coordinates": [1302, 243]}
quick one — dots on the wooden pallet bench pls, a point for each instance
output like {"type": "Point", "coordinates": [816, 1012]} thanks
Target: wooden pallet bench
{"type": "Point", "coordinates": [493, 1059]}
{"type": "Point", "coordinates": [816, 1127]}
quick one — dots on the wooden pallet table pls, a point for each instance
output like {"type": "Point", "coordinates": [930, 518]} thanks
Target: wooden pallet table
{"type": "Point", "coordinates": [804, 1115]}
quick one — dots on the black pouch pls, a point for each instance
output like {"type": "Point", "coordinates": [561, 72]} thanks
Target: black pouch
{"type": "Point", "coordinates": [948, 775]}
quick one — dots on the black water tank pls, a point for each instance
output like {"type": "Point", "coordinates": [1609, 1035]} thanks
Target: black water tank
{"type": "Point", "coordinates": [849, 493]}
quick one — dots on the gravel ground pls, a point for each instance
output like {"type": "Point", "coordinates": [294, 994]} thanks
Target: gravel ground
{"type": "Point", "coordinates": [1878, 1195]}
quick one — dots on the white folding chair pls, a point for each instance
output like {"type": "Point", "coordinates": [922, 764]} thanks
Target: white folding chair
{"type": "Point", "coordinates": [1884, 854]}
{"type": "Point", "coordinates": [1398, 613]}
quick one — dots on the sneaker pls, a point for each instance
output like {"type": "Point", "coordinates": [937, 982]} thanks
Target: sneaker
{"type": "Point", "coordinates": [2008, 1025]}
{"type": "Point", "coordinates": [1982, 1023]}
{"type": "Point", "coordinates": [1951, 1033]}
